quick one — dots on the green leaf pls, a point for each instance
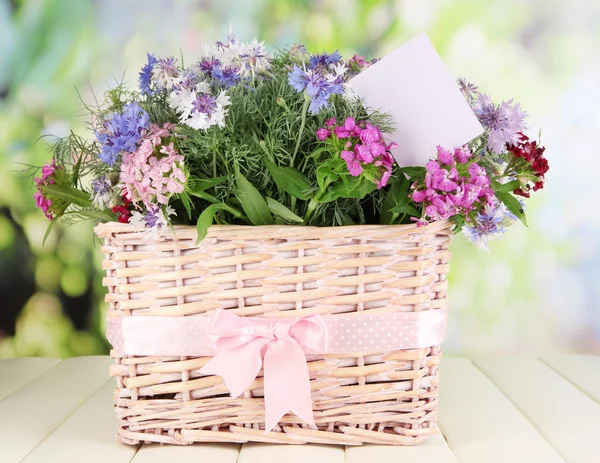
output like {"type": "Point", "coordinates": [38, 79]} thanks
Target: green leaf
{"type": "Point", "coordinates": [185, 199]}
{"type": "Point", "coordinates": [200, 185]}
{"type": "Point", "coordinates": [49, 229]}
{"type": "Point", "coordinates": [280, 210]}
{"type": "Point", "coordinates": [506, 187]}
{"type": "Point", "coordinates": [406, 209]}
{"type": "Point", "coordinates": [315, 154]}
{"type": "Point", "coordinates": [76, 170]}
{"type": "Point", "coordinates": [290, 180]}
{"type": "Point", "coordinates": [348, 189]}
{"type": "Point", "coordinates": [325, 176]}
{"type": "Point", "coordinates": [68, 194]}
{"type": "Point", "coordinates": [99, 215]}
{"type": "Point", "coordinates": [415, 173]}
{"type": "Point", "coordinates": [396, 195]}
{"type": "Point", "coordinates": [206, 219]}
{"type": "Point", "coordinates": [252, 201]}
{"type": "Point", "coordinates": [513, 205]}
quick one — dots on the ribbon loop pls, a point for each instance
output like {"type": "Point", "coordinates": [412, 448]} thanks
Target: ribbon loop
{"type": "Point", "coordinates": [244, 345]}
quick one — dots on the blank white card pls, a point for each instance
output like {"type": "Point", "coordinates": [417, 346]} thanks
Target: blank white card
{"type": "Point", "coordinates": [415, 87]}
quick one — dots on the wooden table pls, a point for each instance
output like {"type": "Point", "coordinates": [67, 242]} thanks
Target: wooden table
{"type": "Point", "coordinates": [492, 409]}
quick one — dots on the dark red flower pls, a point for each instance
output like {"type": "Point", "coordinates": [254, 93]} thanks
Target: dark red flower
{"type": "Point", "coordinates": [122, 211]}
{"type": "Point", "coordinates": [540, 165]}
{"type": "Point", "coordinates": [538, 185]}
{"type": "Point", "coordinates": [521, 192]}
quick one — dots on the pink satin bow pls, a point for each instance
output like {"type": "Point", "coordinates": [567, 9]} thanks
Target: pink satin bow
{"type": "Point", "coordinates": [279, 345]}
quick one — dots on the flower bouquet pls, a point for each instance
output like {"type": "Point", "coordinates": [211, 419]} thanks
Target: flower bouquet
{"type": "Point", "coordinates": [334, 308]}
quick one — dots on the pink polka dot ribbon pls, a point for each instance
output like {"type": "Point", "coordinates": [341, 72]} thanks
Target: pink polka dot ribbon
{"type": "Point", "coordinates": [344, 333]}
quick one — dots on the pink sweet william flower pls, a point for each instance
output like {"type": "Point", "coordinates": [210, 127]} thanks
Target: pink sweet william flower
{"type": "Point", "coordinates": [323, 133]}
{"type": "Point", "coordinates": [363, 146]}
{"type": "Point", "coordinates": [462, 154]}
{"type": "Point", "coordinates": [370, 134]}
{"type": "Point", "coordinates": [42, 201]}
{"type": "Point", "coordinates": [384, 179]}
{"type": "Point", "coordinates": [348, 129]}
{"type": "Point", "coordinates": [354, 166]}
{"type": "Point", "coordinates": [444, 193]}
{"type": "Point", "coordinates": [445, 156]}
{"type": "Point", "coordinates": [155, 171]}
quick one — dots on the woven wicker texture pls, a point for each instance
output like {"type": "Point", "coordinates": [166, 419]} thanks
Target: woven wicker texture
{"type": "Point", "coordinates": [278, 271]}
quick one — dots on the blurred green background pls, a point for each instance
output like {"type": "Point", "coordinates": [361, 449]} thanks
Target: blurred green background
{"type": "Point", "coordinates": [537, 291]}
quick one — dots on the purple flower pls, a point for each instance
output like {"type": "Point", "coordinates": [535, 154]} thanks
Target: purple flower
{"type": "Point", "coordinates": [316, 87]}
{"type": "Point", "coordinates": [354, 166]}
{"type": "Point", "coordinates": [489, 224]}
{"type": "Point", "coordinates": [323, 133]}
{"type": "Point", "coordinates": [207, 65]}
{"type": "Point", "coordinates": [324, 59]}
{"type": "Point", "coordinates": [164, 73]}
{"type": "Point", "coordinates": [101, 185]}
{"type": "Point", "coordinates": [188, 80]}
{"type": "Point", "coordinates": [146, 75]}
{"type": "Point", "coordinates": [503, 122]}
{"type": "Point", "coordinates": [227, 76]}
{"type": "Point", "coordinates": [468, 89]}
{"type": "Point", "coordinates": [152, 218]}
{"type": "Point", "coordinates": [297, 50]}
{"type": "Point", "coordinates": [122, 132]}
{"type": "Point", "coordinates": [205, 103]}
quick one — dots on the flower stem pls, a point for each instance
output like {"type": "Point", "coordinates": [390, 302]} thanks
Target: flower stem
{"type": "Point", "coordinates": [312, 205]}
{"type": "Point", "coordinates": [302, 124]}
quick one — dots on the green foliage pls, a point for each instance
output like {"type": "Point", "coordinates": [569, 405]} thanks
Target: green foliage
{"type": "Point", "coordinates": [513, 205]}
{"type": "Point", "coordinates": [252, 202]}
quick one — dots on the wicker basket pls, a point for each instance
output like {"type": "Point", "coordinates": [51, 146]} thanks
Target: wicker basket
{"type": "Point", "coordinates": [278, 271]}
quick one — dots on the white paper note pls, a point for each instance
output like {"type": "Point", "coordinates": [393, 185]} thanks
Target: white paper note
{"type": "Point", "coordinates": [415, 87]}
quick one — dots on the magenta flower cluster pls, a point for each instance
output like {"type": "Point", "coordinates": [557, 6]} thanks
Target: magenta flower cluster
{"type": "Point", "coordinates": [446, 191]}
{"type": "Point", "coordinates": [42, 201]}
{"type": "Point", "coordinates": [364, 145]}
{"type": "Point", "coordinates": [155, 170]}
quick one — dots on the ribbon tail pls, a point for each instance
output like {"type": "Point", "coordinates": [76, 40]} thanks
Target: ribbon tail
{"type": "Point", "coordinates": [287, 383]}
{"type": "Point", "coordinates": [238, 366]}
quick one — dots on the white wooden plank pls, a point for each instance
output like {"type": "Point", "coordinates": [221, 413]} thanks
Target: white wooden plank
{"type": "Point", "coordinates": [564, 415]}
{"type": "Point", "coordinates": [433, 450]}
{"type": "Point", "coordinates": [209, 453]}
{"type": "Point", "coordinates": [89, 435]}
{"type": "Point", "coordinates": [581, 370]}
{"type": "Point", "coordinates": [276, 453]}
{"type": "Point", "coordinates": [16, 373]}
{"type": "Point", "coordinates": [480, 423]}
{"type": "Point", "coordinates": [29, 415]}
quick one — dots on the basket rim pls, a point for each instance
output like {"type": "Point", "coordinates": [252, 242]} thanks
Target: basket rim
{"type": "Point", "coordinates": [286, 231]}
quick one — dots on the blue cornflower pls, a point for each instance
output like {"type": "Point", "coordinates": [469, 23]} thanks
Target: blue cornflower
{"type": "Point", "coordinates": [324, 59]}
{"type": "Point", "coordinates": [226, 76]}
{"type": "Point", "coordinates": [205, 104]}
{"type": "Point", "coordinates": [188, 80]}
{"type": "Point", "coordinates": [489, 224]}
{"type": "Point", "coordinates": [146, 75]}
{"type": "Point", "coordinates": [208, 65]}
{"type": "Point", "coordinates": [121, 132]}
{"type": "Point", "coordinates": [316, 86]}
